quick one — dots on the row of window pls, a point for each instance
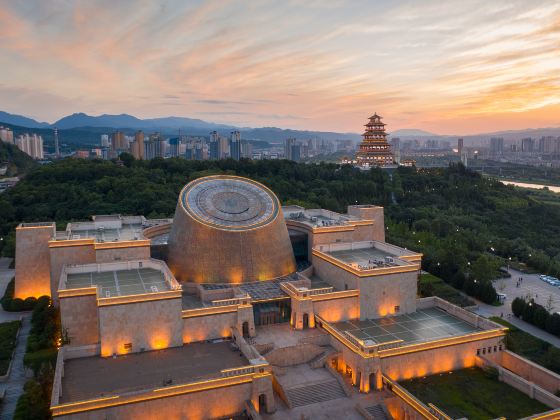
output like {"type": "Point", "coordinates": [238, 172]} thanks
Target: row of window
{"type": "Point", "coordinates": [488, 350]}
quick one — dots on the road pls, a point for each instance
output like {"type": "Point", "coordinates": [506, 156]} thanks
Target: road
{"type": "Point", "coordinates": [542, 292]}
{"type": "Point", "coordinates": [14, 385]}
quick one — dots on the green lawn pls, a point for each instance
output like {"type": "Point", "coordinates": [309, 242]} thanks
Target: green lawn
{"type": "Point", "coordinates": [526, 345]}
{"type": "Point", "coordinates": [8, 332]}
{"type": "Point", "coordinates": [475, 394]}
{"type": "Point", "coordinates": [431, 285]}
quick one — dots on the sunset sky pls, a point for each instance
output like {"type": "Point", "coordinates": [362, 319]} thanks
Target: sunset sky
{"type": "Point", "coordinates": [450, 67]}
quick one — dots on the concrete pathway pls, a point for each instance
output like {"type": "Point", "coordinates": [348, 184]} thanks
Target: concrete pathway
{"type": "Point", "coordinates": [14, 385]}
{"type": "Point", "coordinates": [6, 275]}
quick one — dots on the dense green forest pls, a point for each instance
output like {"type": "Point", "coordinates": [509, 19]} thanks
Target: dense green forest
{"type": "Point", "coordinates": [465, 225]}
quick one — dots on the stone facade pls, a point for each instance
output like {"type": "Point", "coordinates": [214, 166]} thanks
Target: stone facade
{"type": "Point", "coordinates": [80, 320]}
{"type": "Point", "coordinates": [148, 325]}
{"type": "Point", "coordinates": [32, 260]}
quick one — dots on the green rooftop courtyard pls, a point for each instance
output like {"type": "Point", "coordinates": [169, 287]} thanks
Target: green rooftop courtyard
{"type": "Point", "coordinates": [475, 394]}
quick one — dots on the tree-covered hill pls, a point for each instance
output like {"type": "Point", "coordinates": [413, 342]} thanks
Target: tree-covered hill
{"type": "Point", "coordinates": [17, 162]}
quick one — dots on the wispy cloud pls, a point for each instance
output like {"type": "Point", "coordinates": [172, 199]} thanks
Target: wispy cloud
{"type": "Point", "coordinates": [454, 66]}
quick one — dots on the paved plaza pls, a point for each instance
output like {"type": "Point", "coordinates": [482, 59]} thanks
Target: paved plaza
{"type": "Point", "coordinates": [532, 286]}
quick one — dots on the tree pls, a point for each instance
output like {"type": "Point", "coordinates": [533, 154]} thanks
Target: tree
{"type": "Point", "coordinates": [518, 306]}
{"type": "Point", "coordinates": [528, 311]}
{"type": "Point", "coordinates": [488, 293]}
{"type": "Point", "coordinates": [540, 316]}
{"type": "Point", "coordinates": [553, 324]}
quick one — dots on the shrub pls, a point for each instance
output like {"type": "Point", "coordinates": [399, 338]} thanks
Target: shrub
{"type": "Point", "coordinates": [518, 306]}
{"type": "Point", "coordinates": [553, 324]}
{"type": "Point", "coordinates": [528, 312]}
{"type": "Point", "coordinates": [540, 316]}
{"type": "Point", "coordinates": [29, 303]}
{"type": "Point", "coordinates": [17, 305]}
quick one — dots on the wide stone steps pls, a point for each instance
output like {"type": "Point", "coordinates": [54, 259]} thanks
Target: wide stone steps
{"type": "Point", "coordinates": [377, 412]}
{"type": "Point", "coordinates": [314, 393]}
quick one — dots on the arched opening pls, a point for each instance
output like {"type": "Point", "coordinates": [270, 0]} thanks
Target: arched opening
{"type": "Point", "coordinates": [305, 321]}
{"type": "Point", "coordinates": [262, 403]}
{"type": "Point", "coordinates": [372, 384]}
{"type": "Point", "coordinates": [245, 329]}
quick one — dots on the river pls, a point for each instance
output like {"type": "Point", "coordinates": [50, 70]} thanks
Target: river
{"type": "Point", "coordinates": [534, 186]}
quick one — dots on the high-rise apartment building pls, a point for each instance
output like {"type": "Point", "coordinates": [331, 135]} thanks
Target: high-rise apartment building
{"type": "Point", "coordinates": [137, 146]}
{"type": "Point", "coordinates": [496, 146]}
{"type": "Point", "coordinates": [6, 135]}
{"type": "Point", "coordinates": [246, 150]}
{"type": "Point", "coordinates": [174, 146]}
{"type": "Point", "coordinates": [460, 147]}
{"type": "Point", "coordinates": [288, 144]}
{"type": "Point", "coordinates": [549, 144]}
{"type": "Point", "coordinates": [527, 145]}
{"type": "Point", "coordinates": [31, 144]}
{"type": "Point", "coordinates": [105, 140]}
{"type": "Point", "coordinates": [118, 141]}
{"type": "Point", "coordinates": [235, 145]}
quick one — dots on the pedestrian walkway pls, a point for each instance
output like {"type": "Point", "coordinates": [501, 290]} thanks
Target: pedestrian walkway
{"type": "Point", "coordinates": [14, 385]}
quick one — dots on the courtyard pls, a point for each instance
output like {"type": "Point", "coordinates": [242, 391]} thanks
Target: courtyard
{"type": "Point", "coordinates": [474, 394]}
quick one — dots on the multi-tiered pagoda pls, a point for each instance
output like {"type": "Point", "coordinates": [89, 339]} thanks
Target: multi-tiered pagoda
{"type": "Point", "coordinates": [374, 149]}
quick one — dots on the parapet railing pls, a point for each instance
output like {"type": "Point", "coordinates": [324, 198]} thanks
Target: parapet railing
{"type": "Point", "coordinates": [152, 394]}
{"type": "Point", "coordinates": [360, 347]}
{"type": "Point", "coordinates": [430, 412]}
{"type": "Point", "coordinates": [158, 265]}
{"type": "Point", "coordinates": [241, 300]}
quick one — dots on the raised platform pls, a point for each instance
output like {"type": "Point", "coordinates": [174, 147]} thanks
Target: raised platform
{"type": "Point", "coordinates": [420, 326]}
{"type": "Point", "coordinates": [120, 282]}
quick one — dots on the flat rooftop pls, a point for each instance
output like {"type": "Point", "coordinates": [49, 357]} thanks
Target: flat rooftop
{"type": "Point", "coordinates": [367, 258]}
{"type": "Point", "coordinates": [258, 290]}
{"type": "Point", "coordinates": [423, 325]}
{"type": "Point", "coordinates": [120, 282]}
{"type": "Point", "coordinates": [128, 232]}
{"type": "Point", "coordinates": [94, 377]}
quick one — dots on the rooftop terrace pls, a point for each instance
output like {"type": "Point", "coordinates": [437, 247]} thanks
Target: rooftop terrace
{"type": "Point", "coordinates": [368, 255]}
{"type": "Point", "coordinates": [423, 325]}
{"type": "Point", "coordinates": [120, 282]}
{"type": "Point", "coordinates": [94, 377]}
{"type": "Point", "coordinates": [316, 218]}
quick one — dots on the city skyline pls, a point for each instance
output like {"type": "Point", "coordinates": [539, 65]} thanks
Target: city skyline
{"type": "Point", "coordinates": [460, 68]}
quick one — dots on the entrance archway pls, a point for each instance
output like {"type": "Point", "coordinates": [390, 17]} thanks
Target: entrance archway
{"type": "Point", "coordinates": [305, 321]}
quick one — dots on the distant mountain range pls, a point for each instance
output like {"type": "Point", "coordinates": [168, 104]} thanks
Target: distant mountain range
{"type": "Point", "coordinates": [83, 128]}
{"type": "Point", "coordinates": [167, 126]}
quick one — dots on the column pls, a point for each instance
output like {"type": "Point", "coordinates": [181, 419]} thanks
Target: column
{"type": "Point", "coordinates": [378, 380]}
{"type": "Point", "coordinates": [364, 381]}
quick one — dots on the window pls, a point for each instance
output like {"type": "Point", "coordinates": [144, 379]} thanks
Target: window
{"type": "Point", "coordinates": [128, 346]}
{"type": "Point", "coordinates": [483, 351]}
{"type": "Point", "coordinates": [478, 352]}
{"type": "Point", "coordinates": [495, 349]}
{"type": "Point", "coordinates": [397, 308]}
{"type": "Point", "coordinates": [500, 347]}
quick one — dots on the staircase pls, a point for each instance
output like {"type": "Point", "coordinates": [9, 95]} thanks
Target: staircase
{"type": "Point", "coordinates": [319, 361]}
{"type": "Point", "coordinates": [314, 393]}
{"type": "Point", "coordinates": [377, 412]}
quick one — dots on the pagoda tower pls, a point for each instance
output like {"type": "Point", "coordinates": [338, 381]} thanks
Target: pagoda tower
{"type": "Point", "coordinates": [374, 149]}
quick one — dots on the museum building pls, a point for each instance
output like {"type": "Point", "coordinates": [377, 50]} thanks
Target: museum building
{"type": "Point", "coordinates": [203, 315]}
